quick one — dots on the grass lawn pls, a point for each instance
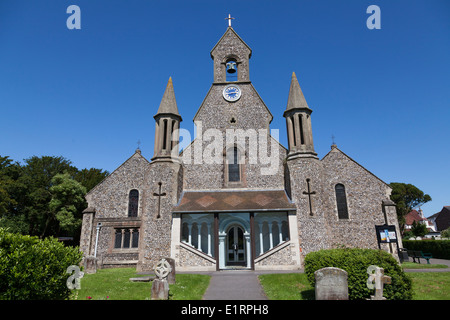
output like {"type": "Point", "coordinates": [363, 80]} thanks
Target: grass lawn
{"type": "Point", "coordinates": [114, 284]}
{"type": "Point", "coordinates": [431, 285]}
{"type": "Point", "coordinates": [295, 286]}
{"type": "Point", "coordinates": [287, 286]}
{"type": "Point", "coordinates": [412, 265]}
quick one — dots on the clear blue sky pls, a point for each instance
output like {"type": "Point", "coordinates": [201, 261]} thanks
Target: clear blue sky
{"type": "Point", "coordinates": [89, 95]}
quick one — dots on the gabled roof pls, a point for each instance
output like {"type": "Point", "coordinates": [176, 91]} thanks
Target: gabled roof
{"type": "Point", "coordinates": [137, 153]}
{"type": "Point", "coordinates": [442, 218]}
{"type": "Point", "coordinates": [257, 94]}
{"type": "Point", "coordinates": [334, 148]}
{"type": "Point", "coordinates": [230, 29]}
{"type": "Point", "coordinates": [413, 216]}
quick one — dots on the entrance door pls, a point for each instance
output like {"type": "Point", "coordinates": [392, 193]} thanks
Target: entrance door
{"type": "Point", "coordinates": [235, 246]}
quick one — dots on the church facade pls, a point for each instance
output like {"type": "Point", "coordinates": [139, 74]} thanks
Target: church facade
{"type": "Point", "coordinates": [234, 197]}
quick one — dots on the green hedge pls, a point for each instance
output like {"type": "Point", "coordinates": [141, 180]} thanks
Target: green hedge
{"type": "Point", "coordinates": [439, 249]}
{"type": "Point", "coordinates": [356, 262]}
{"type": "Point", "coordinates": [33, 269]}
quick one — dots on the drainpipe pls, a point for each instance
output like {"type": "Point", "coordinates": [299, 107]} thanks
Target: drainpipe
{"type": "Point", "coordinates": [99, 225]}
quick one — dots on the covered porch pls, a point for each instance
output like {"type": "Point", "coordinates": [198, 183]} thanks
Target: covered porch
{"type": "Point", "coordinates": [235, 230]}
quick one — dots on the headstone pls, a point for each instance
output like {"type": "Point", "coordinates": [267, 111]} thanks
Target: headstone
{"type": "Point", "coordinates": [160, 286]}
{"type": "Point", "coordinates": [376, 280]}
{"type": "Point", "coordinates": [90, 264]}
{"type": "Point", "coordinates": [171, 276]}
{"type": "Point", "coordinates": [331, 284]}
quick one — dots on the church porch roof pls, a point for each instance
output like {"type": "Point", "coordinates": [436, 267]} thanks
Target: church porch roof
{"type": "Point", "coordinates": [234, 201]}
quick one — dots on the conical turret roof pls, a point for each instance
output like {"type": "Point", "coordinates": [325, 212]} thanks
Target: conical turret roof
{"type": "Point", "coordinates": [296, 99]}
{"type": "Point", "coordinates": [168, 103]}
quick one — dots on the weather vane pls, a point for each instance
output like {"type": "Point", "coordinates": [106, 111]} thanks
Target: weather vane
{"type": "Point", "coordinates": [139, 144]}
{"type": "Point", "coordinates": [229, 19]}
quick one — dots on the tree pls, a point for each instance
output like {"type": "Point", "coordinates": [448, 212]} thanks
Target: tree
{"type": "Point", "coordinates": [38, 173]}
{"type": "Point", "coordinates": [446, 233]}
{"type": "Point", "coordinates": [44, 196]}
{"type": "Point", "coordinates": [12, 192]}
{"type": "Point", "coordinates": [419, 229]}
{"type": "Point", "coordinates": [406, 197]}
{"type": "Point", "coordinates": [89, 178]}
{"type": "Point", "coordinates": [67, 203]}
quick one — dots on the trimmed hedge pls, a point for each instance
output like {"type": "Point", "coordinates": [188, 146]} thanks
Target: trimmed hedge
{"type": "Point", "coordinates": [34, 269]}
{"type": "Point", "coordinates": [356, 262]}
{"type": "Point", "coordinates": [439, 249]}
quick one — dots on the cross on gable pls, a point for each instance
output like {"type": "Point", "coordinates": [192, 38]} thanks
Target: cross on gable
{"type": "Point", "coordinates": [309, 193]}
{"type": "Point", "coordinates": [229, 20]}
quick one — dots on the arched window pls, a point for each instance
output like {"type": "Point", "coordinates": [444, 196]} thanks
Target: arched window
{"type": "Point", "coordinates": [341, 201]}
{"type": "Point", "coordinates": [234, 174]}
{"type": "Point", "coordinates": [133, 203]}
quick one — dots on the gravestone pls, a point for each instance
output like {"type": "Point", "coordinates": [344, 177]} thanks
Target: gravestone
{"type": "Point", "coordinates": [171, 276]}
{"type": "Point", "coordinates": [160, 286]}
{"type": "Point", "coordinates": [90, 264]}
{"type": "Point", "coordinates": [331, 284]}
{"type": "Point", "coordinates": [376, 280]}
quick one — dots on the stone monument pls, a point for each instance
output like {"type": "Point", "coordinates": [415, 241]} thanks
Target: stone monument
{"type": "Point", "coordinates": [376, 280]}
{"type": "Point", "coordinates": [160, 286]}
{"type": "Point", "coordinates": [331, 284]}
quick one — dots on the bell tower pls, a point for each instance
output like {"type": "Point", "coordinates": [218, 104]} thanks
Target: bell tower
{"type": "Point", "coordinates": [167, 127]}
{"type": "Point", "coordinates": [298, 122]}
{"type": "Point", "coordinates": [231, 55]}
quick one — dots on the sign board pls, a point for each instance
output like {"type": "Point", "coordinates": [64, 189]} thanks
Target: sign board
{"type": "Point", "coordinates": [386, 234]}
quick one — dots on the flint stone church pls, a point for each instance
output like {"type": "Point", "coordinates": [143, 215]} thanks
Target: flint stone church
{"type": "Point", "coordinates": [230, 213]}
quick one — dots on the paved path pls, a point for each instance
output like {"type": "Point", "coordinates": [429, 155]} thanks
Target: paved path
{"type": "Point", "coordinates": [432, 261]}
{"type": "Point", "coordinates": [234, 285]}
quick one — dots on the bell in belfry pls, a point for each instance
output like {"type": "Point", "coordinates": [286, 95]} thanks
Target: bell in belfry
{"type": "Point", "coordinates": [231, 67]}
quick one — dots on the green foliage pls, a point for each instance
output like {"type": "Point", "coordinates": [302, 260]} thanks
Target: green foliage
{"type": "Point", "coordinates": [406, 197]}
{"type": "Point", "coordinates": [356, 262]}
{"type": "Point", "coordinates": [67, 202]}
{"type": "Point", "coordinates": [439, 249]}
{"type": "Point", "coordinates": [419, 229]}
{"type": "Point", "coordinates": [446, 233]}
{"type": "Point", "coordinates": [89, 178]}
{"type": "Point", "coordinates": [33, 269]}
{"type": "Point", "coordinates": [42, 197]}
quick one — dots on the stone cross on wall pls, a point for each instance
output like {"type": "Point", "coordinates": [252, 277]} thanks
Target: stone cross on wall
{"type": "Point", "coordinates": [309, 193]}
{"type": "Point", "coordinates": [159, 195]}
{"type": "Point", "coordinates": [376, 280]}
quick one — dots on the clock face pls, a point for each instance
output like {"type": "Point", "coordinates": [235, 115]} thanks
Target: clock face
{"type": "Point", "coordinates": [232, 93]}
